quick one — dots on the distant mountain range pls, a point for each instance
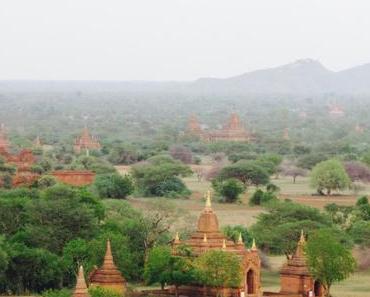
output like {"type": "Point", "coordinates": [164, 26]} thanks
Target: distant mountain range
{"type": "Point", "coordinates": [305, 76]}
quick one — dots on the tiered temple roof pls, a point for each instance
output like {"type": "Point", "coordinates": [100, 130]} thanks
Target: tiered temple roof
{"type": "Point", "coordinates": [86, 142]}
{"type": "Point", "coordinates": [108, 276]}
{"type": "Point", "coordinates": [81, 288]}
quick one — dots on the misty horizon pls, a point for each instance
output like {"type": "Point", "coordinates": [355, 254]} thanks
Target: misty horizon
{"type": "Point", "coordinates": [176, 40]}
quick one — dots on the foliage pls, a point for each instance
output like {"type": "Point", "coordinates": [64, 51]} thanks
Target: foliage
{"type": "Point", "coordinates": [155, 266]}
{"type": "Point", "coordinates": [260, 197]}
{"type": "Point", "coordinates": [32, 270]}
{"type": "Point", "coordinates": [103, 292]}
{"type": "Point", "coordinates": [218, 269]}
{"type": "Point", "coordinates": [329, 175]}
{"type": "Point", "coordinates": [233, 232]}
{"type": "Point", "coordinates": [151, 177]}
{"type": "Point", "coordinates": [328, 260]}
{"type": "Point", "coordinates": [357, 171]}
{"type": "Point", "coordinates": [56, 293]}
{"type": "Point", "coordinates": [113, 186]}
{"type": "Point", "coordinates": [248, 172]}
{"type": "Point", "coordinates": [229, 189]}
{"type": "Point", "coordinates": [46, 181]}
{"type": "Point", "coordinates": [277, 231]}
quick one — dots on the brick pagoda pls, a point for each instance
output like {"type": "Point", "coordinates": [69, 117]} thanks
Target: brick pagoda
{"type": "Point", "coordinates": [208, 237]}
{"type": "Point", "coordinates": [108, 276]}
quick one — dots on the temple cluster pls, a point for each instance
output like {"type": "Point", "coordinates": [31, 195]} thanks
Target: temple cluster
{"type": "Point", "coordinates": [233, 130]}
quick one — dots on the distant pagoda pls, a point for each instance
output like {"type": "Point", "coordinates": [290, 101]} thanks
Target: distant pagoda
{"type": "Point", "coordinates": [81, 287]}
{"type": "Point", "coordinates": [108, 276]}
{"type": "Point", "coordinates": [4, 143]}
{"type": "Point", "coordinates": [86, 142]}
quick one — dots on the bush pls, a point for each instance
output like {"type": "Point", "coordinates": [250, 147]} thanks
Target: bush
{"type": "Point", "coordinates": [57, 293]}
{"type": "Point", "coordinates": [260, 197]}
{"type": "Point", "coordinates": [172, 187]}
{"type": "Point", "coordinates": [103, 292]}
{"type": "Point", "coordinates": [229, 189]}
{"type": "Point", "coordinates": [46, 181]}
{"type": "Point", "coordinates": [113, 186]}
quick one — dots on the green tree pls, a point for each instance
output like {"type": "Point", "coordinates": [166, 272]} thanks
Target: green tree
{"type": "Point", "coordinates": [277, 230]}
{"type": "Point", "coordinates": [159, 176]}
{"type": "Point", "coordinates": [328, 260]}
{"type": "Point", "coordinates": [218, 269]}
{"type": "Point", "coordinates": [329, 175]}
{"type": "Point", "coordinates": [229, 189]}
{"type": "Point", "coordinates": [248, 172]}
{"type": "Point", "coordinates": [156, 265]}
{"type": "Point", "coordinates": [113, 186]}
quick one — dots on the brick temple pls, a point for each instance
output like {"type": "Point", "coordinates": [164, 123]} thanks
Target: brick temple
{"type": "Point", "coordinates": [209, 237]}
{"type": "Point", "coordinates": [86, 142]}
{"type": "Point", "coordinates": [233, 130]}
{"type": "Point", "coordinates": [108, 276]}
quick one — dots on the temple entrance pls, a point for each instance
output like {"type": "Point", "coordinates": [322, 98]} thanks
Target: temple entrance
{"type": "Point", "coordinates": [317, 289]}
{"type": "Point", "coordinates": [250, 289]}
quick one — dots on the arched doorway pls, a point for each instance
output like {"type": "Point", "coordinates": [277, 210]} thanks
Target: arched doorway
{"type": "Point", "coordinates": [250, 289]}
{"type": "Point", "coordinates": [317, 288]}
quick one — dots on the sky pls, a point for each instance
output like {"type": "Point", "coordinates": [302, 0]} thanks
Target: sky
{"type": "Point", "coordinates": [176, 39]}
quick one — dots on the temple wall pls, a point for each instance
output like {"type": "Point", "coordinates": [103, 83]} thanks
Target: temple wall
{"type": "Point", "coordinates": [296, 284]}
{"type": "Point", "coordinates": [75, 178]}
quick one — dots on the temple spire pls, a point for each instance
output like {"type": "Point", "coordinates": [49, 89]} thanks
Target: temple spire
{"type": "Point", "coordinates": [240, 239]}
{"type": "Point", "coordinates": [302, 239]}
{"type": "Point", "coordinates": [254, 246]}
{"type": "Point", "coordinates": [81, 288]}
{"type": "Point", "coordinates": [208, 200]}
{"type": "Point", "coordinates": [177, 238]}
{"type": "Point", "coordinates": [108, 258]}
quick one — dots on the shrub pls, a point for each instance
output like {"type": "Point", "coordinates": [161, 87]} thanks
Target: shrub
{"type": "Point", "coordinates": [113, 186]}
{"type": "Point", "coordinates": [229, 189]}
{"type": "Point", "coordinates": [102, 292]}
{"type": "Point", "coordinates": [260, 197]}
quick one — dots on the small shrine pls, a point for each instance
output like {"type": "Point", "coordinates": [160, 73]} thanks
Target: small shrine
{"type": "Point", "coordinates": [108, 276]}
{"type": "Point", "coordinates": [81, 287]}
{"type": "Point", "coordinates": [295, 277]}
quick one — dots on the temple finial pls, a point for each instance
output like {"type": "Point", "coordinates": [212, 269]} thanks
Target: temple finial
{"type": "Point", "coordinates": [208, 200]}
{"type": "Point", "coordinates": [254, 246]}
{"type": "Point", "coordinates": [302, 239]}
{"type": "Point", "coordinates": [224, 244]}
{"type": "Point", "coordinates": [177, 238]}
{"type": "Point", "coordinates": [240, 239]}
{"type": "Point", "coordinates": [205, 237]}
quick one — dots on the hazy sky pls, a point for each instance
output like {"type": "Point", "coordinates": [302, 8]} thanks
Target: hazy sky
{"type": "Point", "coordinates": [176, 39]}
